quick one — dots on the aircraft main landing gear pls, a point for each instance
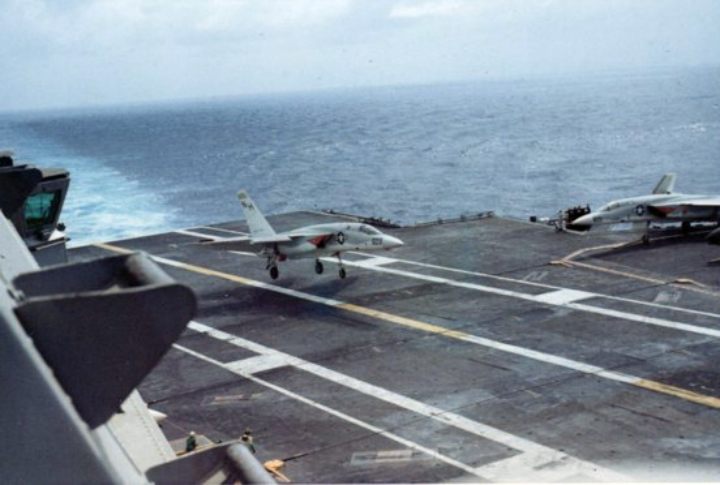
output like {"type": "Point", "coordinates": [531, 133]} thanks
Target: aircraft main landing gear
{"type": "Point", "coordinates": [646, 237]}
{"type": "Point", "coordinates": [318, 266]}
{"type": "Point", "coordinates": [272, 266]}
{"type": "Point", "coordinates": [342, 273]}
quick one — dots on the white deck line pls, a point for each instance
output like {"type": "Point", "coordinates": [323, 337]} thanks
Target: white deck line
{"type": "Point", "coordinates": [534, 454]}
{"type": "Point", "coordinates": [337, 414]}
{"type": "Point", "coordinates": [563, 297]}
{"type": "Point", "coordinates": [484, 342]}
{"type": "Point", "coordinates": [259, 363]}
{"type": "Point", "coordinates": [264, 286]}
{"type": "Point", "coordinates": [374, 261]}
{"type": "Point", "coordinates": [544, 285]}
{"type": "Point", "coordinates": [465, 271]}
{"type": "Point", "coordinates": [659, 322]}
{"type": "Point", "coordinates": [201, 235]}
{"type": "Point", "coordinates": [644, 384]}
{"type": "Point", "coordinates": [244, 253]}
{"type": "Point", "coordinates": [388, 260]}
{"type": "Point", "coordinates": [525, 467]}
{"type": "Point", "coordinates": [544, 299]}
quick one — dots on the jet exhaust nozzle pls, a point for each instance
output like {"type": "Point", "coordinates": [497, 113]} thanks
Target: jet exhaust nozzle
{"type": "Point", "coordinates": [714, 237]}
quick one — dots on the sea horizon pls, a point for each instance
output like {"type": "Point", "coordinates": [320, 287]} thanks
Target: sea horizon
{"type": "Point", "coordinates": [408, 153]}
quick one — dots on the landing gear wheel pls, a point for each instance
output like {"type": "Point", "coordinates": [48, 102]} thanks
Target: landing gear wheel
{"type": "Point", "coordinates": [274, 272]}
{"type": "Point", "coordinates": [318, 267]}
{"type": "Point", "coordinates": [646, 240]}
{"type": "Point", "coordinates": [340, 237]}
{"type": "Point", "coordinates": [342, 273]}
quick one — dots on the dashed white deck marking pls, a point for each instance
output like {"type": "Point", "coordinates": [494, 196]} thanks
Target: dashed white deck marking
{"type": "Point", "coordinates": [374, 261]}
{"type": "Point", "coordinates": [243, 253]}
{"type": "Point", "coordinates": [667, 297]}
{"type": "Point", "coordinates": [555, 298]}
{"type": "Point", "coordinates": [360, 458]}
{"type": "Point", "coordinates": [336, 413]}
{"type": "Point", "coordinates": [534, 453]}
{"type": "Point", "coordinates": [259, 363]}
{"type": "Point", "coordinates": [563, 297]}
{"type": "Point", "coordinates": [253, 283]}
{"type": "Point", "coordinates": [709, 401]}
{"type": "Point", "coordinates": [524, 467]}
{"type": "Point", "coordinates": [545, 285]}
{"type": "Point", "coordinates": [658, 322]}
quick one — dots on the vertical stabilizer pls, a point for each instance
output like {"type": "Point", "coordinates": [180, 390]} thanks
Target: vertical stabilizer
{"type": "Point", "coordinates": [259, 226]}
{"type": "Point", "coordinates": [666, 184]}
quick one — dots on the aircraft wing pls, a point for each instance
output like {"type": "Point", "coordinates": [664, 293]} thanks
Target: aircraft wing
{"type": "Point", "coordinates": [703, 202]}
{"type": "Point", "coordinates": [275, 238]}
{"type": "Point", "coordinates": [317, 236]}
{"type": "Point", "coordinates": [308, 232]}
{"type": "Point", "coordinates": [227, 243]}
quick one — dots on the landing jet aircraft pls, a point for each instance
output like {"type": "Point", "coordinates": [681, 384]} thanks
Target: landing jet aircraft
{"type": "Point", "coordinates": [663, 206]}
{"type": "Point", "coordinates": [313, 241]}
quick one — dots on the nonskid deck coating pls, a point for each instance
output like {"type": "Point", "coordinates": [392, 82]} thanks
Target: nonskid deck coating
{"type": "Point", "coordinates": [465, 355]}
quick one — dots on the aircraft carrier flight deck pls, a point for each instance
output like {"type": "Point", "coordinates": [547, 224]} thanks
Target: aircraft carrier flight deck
{"type": "Point", "coordinates": [484, 349]}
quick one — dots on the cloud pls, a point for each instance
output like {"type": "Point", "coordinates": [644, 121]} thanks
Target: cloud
{"type": "Point", "coordinates": [225, 15]}
{"type": "Point", "coordinates": [432, 9]}
{"type": "Point", "coordinates": [103, 23]}
{"type": "Point", "coordinates": [101, 51]}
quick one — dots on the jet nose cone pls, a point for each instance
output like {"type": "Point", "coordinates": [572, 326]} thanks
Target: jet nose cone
{"type": "Point", "coordinates": [392, 242]}
{"type": "Point", "coordinates": [585, 221]}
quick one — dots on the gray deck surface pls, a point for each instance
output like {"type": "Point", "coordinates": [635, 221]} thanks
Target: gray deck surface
{"type": "Point", "coordinates": [463, 357]}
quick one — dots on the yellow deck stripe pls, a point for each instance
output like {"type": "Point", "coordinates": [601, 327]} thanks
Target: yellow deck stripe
{"type": "Point", "coordinates": [687, 395]}
{"type": "Point", "coordinates": [569, 261]}
{"type": "Point", "coordinates": [115, 249]}
{"type": "Point", "coordinates": [709, 401]}
{"type": "Point", "coordinates": [407, 322]}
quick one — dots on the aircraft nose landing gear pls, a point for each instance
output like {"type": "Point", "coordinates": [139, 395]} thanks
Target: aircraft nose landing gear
{"type": "Point", "coordinates": [318, 266]}
{"type": "Point", "coordinates": [274, 272]}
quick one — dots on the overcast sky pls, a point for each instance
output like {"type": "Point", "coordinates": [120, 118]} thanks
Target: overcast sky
{"type": "Point", "coordinates": [93, 52]}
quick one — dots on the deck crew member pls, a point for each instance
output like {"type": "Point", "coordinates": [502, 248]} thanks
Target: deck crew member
{"type": "Point", "coordinates": [247, 440]}
{"type": "Point", "coordinates": [190, 442]}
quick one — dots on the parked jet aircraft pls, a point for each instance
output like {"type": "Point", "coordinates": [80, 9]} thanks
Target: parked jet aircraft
{"type": "Point", "coordinates": [663, 206]}
{"type": "Point", "coordinates": [314, 241]}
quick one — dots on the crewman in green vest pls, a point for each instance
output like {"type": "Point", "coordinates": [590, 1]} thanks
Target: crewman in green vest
{"type": "Point", "coordinates": [190, 442]}
{"type": "Point", "coordinates": [247, 440]}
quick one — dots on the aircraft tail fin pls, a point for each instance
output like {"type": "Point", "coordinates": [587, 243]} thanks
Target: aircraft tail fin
{"type": "Point", "coordinates": [666, 184]}
{"type": "Point", "coordinates": [258, 225]}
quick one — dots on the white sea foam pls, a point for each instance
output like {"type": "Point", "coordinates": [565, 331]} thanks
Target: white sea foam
{"type": "Point", "coordinates": [103, 204]}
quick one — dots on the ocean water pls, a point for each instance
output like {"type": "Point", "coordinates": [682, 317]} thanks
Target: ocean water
{"type": "Point", "coordinates": [417, 153]}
